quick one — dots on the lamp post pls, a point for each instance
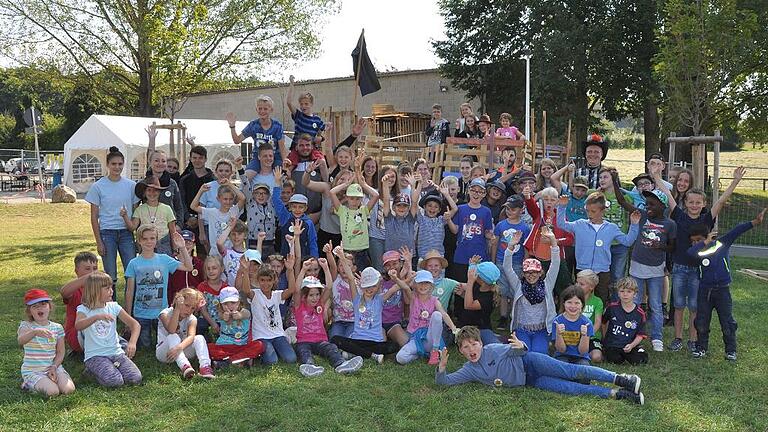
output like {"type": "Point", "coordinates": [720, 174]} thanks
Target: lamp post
{"type": "Point", "coordinates": [526, 54]}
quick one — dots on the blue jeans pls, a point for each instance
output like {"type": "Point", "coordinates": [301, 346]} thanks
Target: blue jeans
{"type": "Point", "coordinates": [277, 347]}
{"type": "Point", "coordinates": [547, 373]}
{"type": "Point", "coordinates": [341, 328]}
{"type": "Point", "coordinates": [145, 336]}
{"type": "Point", "coordinates": [718, 298]}
{"type": "Point", "coordinates": [685, 286]}
{"type": "Point", "coordinates": [116, 241]}
{"type": "Point", "coordinates": [655, 287]}
{"type": "Point", "coordinates": [325, 350]}
{"type": "Point", "coordinates": [375, 251]}
{"type": "Point", "coordinates": [537, 341]}
{"type": "Point", "coordinates": [619, 255]}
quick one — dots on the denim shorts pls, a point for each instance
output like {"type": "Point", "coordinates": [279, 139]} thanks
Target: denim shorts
{"type": "Point", "coordinates": [685, 286]}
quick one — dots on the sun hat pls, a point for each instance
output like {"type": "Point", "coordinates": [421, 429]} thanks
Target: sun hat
{"type": "Point", "coordinates": [369, 277]}
{"type": "Point", "coordinates": [488, 272]}
{"type": "Point", "coordinates": [531, 264]}
{"type": "Point", "coordinates": [354, 190]}
{"type": "Point", "coordinates": [433, 254]}
{"type": "Point", "coordinates": [580, 181]}
{"type": "Point", "coordinates": [431, 196]}
{"type": "Point", "coordinates": [261, 186]}
{"type": "Point", "coordinates": [229, 294]}
{"type": "Point", "coordinates": [423, 276]}
{"type": "Point", "coordinates": [149, 182]}
{"type": "Point", "coordinates": [389, 256]}
{"type": "Point", "coordinates": [36, 295]}
{"type": "Point", "coordinates": [253, 255]}
{"type": "Point", "coordinates": [595, 140]}
{"type": "Point", "coordinates": [402, 198]}
{"type": "Point", "coordinates": [642, 176]}
{"type": "Point", "coordinates": [298, 199]}
{"type": "Point", "coordinates": [311, 282]}
{"type": "Point", "coordinates": [477, 182]}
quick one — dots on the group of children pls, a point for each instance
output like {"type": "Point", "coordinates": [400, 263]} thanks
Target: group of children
{"type": "Point", "coordinates": [410, 267]}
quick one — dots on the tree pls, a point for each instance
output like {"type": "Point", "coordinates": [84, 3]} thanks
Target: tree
{"type": "Point", "coordinates": [163, 48]}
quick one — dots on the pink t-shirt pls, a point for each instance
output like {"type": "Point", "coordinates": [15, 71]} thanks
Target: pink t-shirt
{"type": "Point", "coordinates": [420, 313]}
{"type": "Point", "coordinates": [309, 324]}
{"type": "Point", "coordinates": [510, 132]}
{"type": "Point", "coordinates": [393, 307]}
{"type": "Point", "coordinates": [342, 301]}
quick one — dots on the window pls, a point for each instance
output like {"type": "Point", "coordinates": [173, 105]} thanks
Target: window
{"type": "Point", "coordinates": [223, 155]}
{"type": "Point", "coordinates": [137, 173]}
{"type": "Point", "coordinates": [86, 168]}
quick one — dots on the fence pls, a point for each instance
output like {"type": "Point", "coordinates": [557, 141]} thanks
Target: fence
{"type": "Point", "coordinates": [19, 168]}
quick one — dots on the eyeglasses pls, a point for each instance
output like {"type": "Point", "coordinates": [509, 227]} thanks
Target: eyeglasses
{"type": "Point", "coordinates": [643, 183]}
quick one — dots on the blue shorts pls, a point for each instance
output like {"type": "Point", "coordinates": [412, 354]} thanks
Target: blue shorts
{"type": "Point", "coordinates": [685, 286]}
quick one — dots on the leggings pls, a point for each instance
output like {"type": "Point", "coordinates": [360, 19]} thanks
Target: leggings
{"type": "Point", "coordinates": [409, 352]}
{"type": "Point", "coordinates": [113, 371]}
{"type": "Point", "coordinates": [365, 348]}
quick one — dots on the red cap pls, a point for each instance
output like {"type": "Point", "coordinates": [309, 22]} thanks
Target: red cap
{"type": "Point", "coordinates": [36, 296]}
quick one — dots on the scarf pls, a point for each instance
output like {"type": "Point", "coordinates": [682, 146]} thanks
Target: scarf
{"type": "Point", "coordinates": [534, 293]}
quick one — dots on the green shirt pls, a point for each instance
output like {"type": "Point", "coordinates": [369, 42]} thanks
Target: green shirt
{"type": "Point", "coordinates": [592, 310]}
{"type": "Point", "coordinates": [354, 227]}
{"type": "Point", "coordinates": [443, 291]}
{"type": "Point", "coordinates": [158, 216]}
{"type": "Point", "coordinates": [615, 213]}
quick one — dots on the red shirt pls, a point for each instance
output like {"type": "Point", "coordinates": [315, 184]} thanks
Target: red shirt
{"type": "Point", "coordinates": [182, 279]}
{"type": "Point", "coordinates": [70, 332]}
{"type": "Point", "coordinates": [293, 156]}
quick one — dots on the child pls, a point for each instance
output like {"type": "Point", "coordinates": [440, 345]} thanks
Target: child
{"type": "Point", "coordinates": [504, 231]}
{"type": "Point", "coordinates": [181, 279]}
{"type": "Point", "coordinates": [263, 130]}
{"type": "Point", "coordinates": [217, 219]}
{"type": "Point", "coordinates": [438, 128]}
{"type": "Point", "coordinates": [571, 330]}
{"type": "Point", "coordinates": [261, 216]}
{"type": "Point", "coordinates": [96, 318]}
{"type": "Point", "coordinates": [258, 286]}
{"type": "Point", "coordinates": [234, 344]}
{"type": "Point", "coordinates": [577, 194]}
{"type": "Point", "coordinates": [72, 293]}
{"type": "Point", "coordinates": [507, 130]}
{"type": "Point", "coordinates": [146, 294]}
{"type": "Point", "coordinates": [152, 212]}
{"type": "Point", "coordinates": [223, 172]}
{"type": "Point", "coordinates": [176, 338]}
{"type": "Point", "coordinates": [533, 303]}
{"type": "Point", "coordinates": [342, 286]}
{"type": "Point", "coordinates": [593, 238]}
{"type": "Point", "coordinates": [235, 234]}
{"type": "Point", "coordinates": [624, 327]}
{"type": "Point", "coordinates": [431, 221]}
{"type": "Point", "coordinates": [495, 198]}
{"type": "Point", "coordinates": [400, 217]}
{"type": "Point", "coordinates": [475, 300]}
{"type": "Point", "coordinates": [593, 310]}
{"type": "Point", "coordinates": [713, 253]}
{"type": "Point", "coordinates": [367, 339]}
{"type": "Point", "coordinates": [304, 120]}
{"type": "Point", "coordinates": [547, 167]}
{"type": "Point", "coordinates": [353, 216]}
{"type": "Point", "coordinates": [210, 289]}
{"type": "Point", "coordinates": [616, 213]}
{"type": "Point", "coordinates": [310, 331]}
{"type": "Point", "coordinates": [473, 226]}
{"type": "Point", "coordinates": [43, 342]}
{"type": "Point", "coordinates": [425, 323]}
{"type": "Point", "coordinates": [513, 365]}
{"type": "Point", "coordinates": [465, 167]}
{"type": "Point", "coordinates": [296, 210]}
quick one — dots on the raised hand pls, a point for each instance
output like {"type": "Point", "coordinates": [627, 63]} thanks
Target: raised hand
{"type": "Point", "coordinates": [290, 261]}
{"type": "Point", "coordinates": [739, 173]}
{"type": "Point", "coordinates": [516, 237]}
{"type": "Point", "coordinates": [261, 236]}
{"type": "Point", "coordinates": [123, 212]}
{"type": "Point", "coordinates": [178, 240]}
{"type": "Point", "coordinates": [515, 342]}
{"type": "Point", "coordinates": [759, 219]}
{"type": "Point", "coordinates": [571, 167]}
{"type": "Point", "coordinates": [359, 127]}
{"type": "Point", "coordinates": [634, 217]}
{"type": "Point", "coordinates": [238, 163]}
{"type": "Point", "coordinates": [562, 201]}
{"type": "Point", "coordinates": [392, 274]}
{"type": "Point", "coordinates": [278, 173]}
{"type": "Point", "coordinates": [560, 328]}
{"type": "Point", "coordinates": [443, 359]}
{"type": "Point", "coordinates": [151, 131]}
{"type": "Point", "coordinates": [328, 248]}
{"type": "Point", "coordinates": [191, 140]}
{"type": "Point", "coordinates": [231, 118]}
{"type": "Point", "coordinates": [205, 188]}
{"type": "Point", "coordinates": [583, 329]}
{"type": "Point", "coordinates": [323, 263]}
{"type": "Point", "coordinates": [475, 259]}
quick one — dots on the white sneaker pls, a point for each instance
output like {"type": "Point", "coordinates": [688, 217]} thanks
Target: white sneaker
{"type": "Point", "coordinates": [350, 366]}
{"type": "Point", "coordinates": [378, 357]}
{"type": "Point", "coordinates": [658, 345]}
{"type": "Point", "coordinates": [310, 370]}
{"type": "Point", "coordinates": [345, 355]}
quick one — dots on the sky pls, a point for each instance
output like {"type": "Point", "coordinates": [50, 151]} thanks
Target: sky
{"type": "Point", "coordinates": [397, 33]}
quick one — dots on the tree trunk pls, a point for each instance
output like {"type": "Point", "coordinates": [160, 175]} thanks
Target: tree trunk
{"type": "Point", "coordinates": [651, 128]}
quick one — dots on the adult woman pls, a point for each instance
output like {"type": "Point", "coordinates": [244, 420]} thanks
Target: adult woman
{"type": "Point", "coordinates": [376, 230]}
{"type": "Point", "coordinates": [107, 196]}
{"type": "Point", "coordinates": [547, 167]}
{"type": "Point", "coordinates": [158, 168]}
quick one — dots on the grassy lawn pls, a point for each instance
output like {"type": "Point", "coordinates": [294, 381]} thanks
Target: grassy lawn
{"type": "Point", "coordinates": [682, 394]}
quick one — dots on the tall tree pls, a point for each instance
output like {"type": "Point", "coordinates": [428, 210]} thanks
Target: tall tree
{"type": "Point", "coordinates": [155, 49]}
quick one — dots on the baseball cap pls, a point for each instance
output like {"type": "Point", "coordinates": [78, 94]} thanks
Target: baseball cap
{"type": "Point", "coordinates": [498, 185]}
{"type": "Point", "coordinates": [253, 255]}
{"type": "Point", "coordinates": [354, 190]}
{"type": "Point", "coordinates": [229, 294]}
{"type": "Point", "coordinates": [515, 201]}
{"type": "Point", "coordinates": [402, 198]}
{"type": "Point", "coordinates": [262, 186]}
{"type": "Point", "coordinates": [659, 195]}
{"type": "Point", "coordinates": [488, 272]}
{"type": "Point", "coordinates": [369, 277]}
{"type": "Point", "coordinates": [311, 282]}
{"type": "Point", "coordinates": [298, 198]}
{"type": "Point", "coordinates": [436, 197]}
{"type": "Point", "coordinates": [188, 235]}
{"type": "Point", "coordinates": [642, 176]}
{"type": "Point", "coordinates": [656, 155]}
{"type": "Point", "coordinates": [526, 176]}
{"type": "Point", "coordinates": [36, 295]}
{"type": "Point", "coordinates": [477, 182]}
{"type": "Point", "coordinates": [389, 256]}
{"type": "Point", "coordinates": [580, 181]}
{"type": "Point", "coordinates": [531, 264]}
{"type": "Point", "coordinates": [424, 276]}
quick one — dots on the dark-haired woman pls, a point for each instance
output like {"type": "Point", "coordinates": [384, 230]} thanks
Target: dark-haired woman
{"type": "Point", "coordinates": [107, 196]}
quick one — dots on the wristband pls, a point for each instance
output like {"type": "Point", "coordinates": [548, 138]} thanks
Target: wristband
{"type": "Point", "coordinates": [232, 127]}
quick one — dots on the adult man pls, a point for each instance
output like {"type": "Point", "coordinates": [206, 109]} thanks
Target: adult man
{"type": "Point", "coordinates": [594, 151]}
{"type": "Point", "coordinates": [194, 177]}
{"type": "Point", "coordinates": [299, 161]}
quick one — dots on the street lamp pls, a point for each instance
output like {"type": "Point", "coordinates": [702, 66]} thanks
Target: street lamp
{"type": "Point", "coordinates": [526, 54]}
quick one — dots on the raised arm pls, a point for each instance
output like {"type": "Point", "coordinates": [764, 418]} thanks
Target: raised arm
{"type": "Point", "coordinates": [386, 185]}
{"type": "Point", "coordinates": [619, 194]}
{"type": "Point", "coordinates": [513, 279]}
{"type": "Point", "coordinates": [290, 261]}
{"type": "Point", "coordinates": [131, 223]}
{"type": "Point", "coordinates": [289, 96]}
{"type": "Point", "coordinates": [469, 300]}
{"type": "Point", "coordinates": [236, 137]}
{"type": "Point", "coordinates": [224, 236]}
{"type": "Point", "coordinates": [332, 267]}
{"type": "Point", "coordinates": [417, 183]}
{"type": "Point", "coordinates": [324, 264]}
{"type": "Point", "coordinates": [660, 185]}
{"type": "Point", "coordinates": [195, 206]}
{"type": "Point", "coordinates": [738, 174]}
{"type": "Point", "coordinates": [561, 210]}
{"type": "Point", "coordinates": [554, 266]}
{"type": "Point", "coordinates": [554, 179]}
{"type": "Point", "coordinates": [407, 293]}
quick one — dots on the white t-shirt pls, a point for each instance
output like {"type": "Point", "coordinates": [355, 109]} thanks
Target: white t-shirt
{"type": "Point", "coordinates": [162, 332]}
{"type": "Point", "coordinates": [231, 265]}
{"type": "Point", "coordinates": [217, 222]}
{"type": "Point", "coordinates": [266, 321]}
{"type": "Point", "coordinates": [100, 338]}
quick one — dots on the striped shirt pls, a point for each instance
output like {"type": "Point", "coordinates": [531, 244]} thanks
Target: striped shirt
{"type": "Point", "coordinates": [431, 234]}
{"type": "Point", "coordinates": [303, 123]}
{"type": "Point", "coordinates": [39, 352]}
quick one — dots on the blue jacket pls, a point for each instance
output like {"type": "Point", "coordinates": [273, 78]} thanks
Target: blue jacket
{"type": "Point", "coordinates": [713, 259]}
{"type": "Point", "coordinates": [593, 248]}
{"type": "Point", "coordinates": [497, 362]}
{"type": "Point", "coordinates": [286, 218]}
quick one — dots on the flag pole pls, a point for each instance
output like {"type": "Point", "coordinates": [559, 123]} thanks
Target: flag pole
{"type": "Point", "coordinates": [357, 78]}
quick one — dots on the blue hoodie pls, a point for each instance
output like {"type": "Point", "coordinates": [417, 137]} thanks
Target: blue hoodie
{"type": "Point", "coordinates": [714, 266]}
{"type": "Point", "coordinates": [497, 362]}
{"type": "Point", "coordinates": [593, 248]}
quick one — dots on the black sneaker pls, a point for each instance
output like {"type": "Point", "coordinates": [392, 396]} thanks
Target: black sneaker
{"type": "Point", "coordinates": [629, 382]}
{"type": "Point", "coordinates": [675, 345]}
{"type": "Point", "coordinates": [698, 353]}
{"type": "Point", "coordinates": [503, 324]}
{"type": "Point", "coordinates": [638, 398]}
{"type": "Point", "coordinates": [691, 346]}
{"type": "Point", "coordinates": [730, 356]}
{"type": "Point", "coordinates": [220, 364]}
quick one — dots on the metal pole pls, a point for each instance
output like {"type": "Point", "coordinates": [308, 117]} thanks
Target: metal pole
{"type": "Point", "coordinates": [527, 96]}
{"type": "Point", "coordinates": [37, 154]}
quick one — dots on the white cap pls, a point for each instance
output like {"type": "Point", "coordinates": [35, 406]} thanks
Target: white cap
{"type": "Point", "coordinates": [369, 277]}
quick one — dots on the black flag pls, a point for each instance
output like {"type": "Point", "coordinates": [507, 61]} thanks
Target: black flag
{"type": "Point", "coordinates": [369, 82]}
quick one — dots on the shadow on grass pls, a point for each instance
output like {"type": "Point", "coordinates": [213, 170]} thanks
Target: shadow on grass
{"type": "Point", "coordinates": [46, 253]}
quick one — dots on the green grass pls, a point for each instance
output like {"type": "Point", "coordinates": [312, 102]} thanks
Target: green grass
{"type": "Point", "coordinates": [682, 394]}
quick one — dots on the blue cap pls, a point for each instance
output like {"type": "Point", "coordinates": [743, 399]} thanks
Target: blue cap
{"type": "Point", "coordinates": [488, 272]}
{"type": "Point", "coordinates": [498, 185]}
{"type": "Point", "coordinates": [424, 276]}
{"type": "Point", "coordinates": [253, 255]}
{"type": "Point", "coordinates": [298, 198]}
{"type": "Point", "coordinates": [477, 182]}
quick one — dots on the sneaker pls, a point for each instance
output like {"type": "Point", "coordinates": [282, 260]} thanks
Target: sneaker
{"type": "Point", "coordinates": [698, 353]}
{"type": "Point", "coordinates": [503, 324]}
{"type": "Point", "coordinates": [345, 355]}
{"type": "Point", "coordinates": [239, 361]}
{"type": "Point", "coordinates": [187, 372]}
{"type": "Point", "coordinates": [434, 358]}
{"type": "Point", "coordinates": [638, 398]}
{"type": "Point", "coordinates": [310, 370]}
{"type": "Point", "coordinates": [350, 366]}
{"type": "Point", "coordinates": [730, 356]}
{"type": "Point", "coordinates": [207, 372]}
{"type": "Point", "coordinates": [658, 345]}
{"type": "Point", "coordinates": [220, 364]}
{"type": "Point", "coordinates": [378, 357]}
{"type": "Point", "coordinates": [629, 382]}
{"type": "Point", "coordinates": [691, 346]}
{"type": "Point", "coordinates": [676, 344]}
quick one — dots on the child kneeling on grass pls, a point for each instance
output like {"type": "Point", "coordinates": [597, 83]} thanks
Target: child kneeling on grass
{"type": "Point", "coordinates": [512, 365]}
{"type": "Point", "coordinates": [43, 342]}
{"type": "Point", "coordinates": [176, 338]}
{"type": "Point", "coordinates": [104, 359]}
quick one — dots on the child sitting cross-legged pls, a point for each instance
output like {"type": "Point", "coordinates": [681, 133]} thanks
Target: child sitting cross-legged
{"type": "Point", "coordinates": [512, 365]}
{"type": "Point", "coordinates": [571, 330]}
{"type": "Point", "coordinates": [234, 344]}
{"type": "Point", "coordinates": [177, 340]}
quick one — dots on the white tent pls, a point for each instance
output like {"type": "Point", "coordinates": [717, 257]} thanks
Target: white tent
{"type": "Point", "coordinates": [85, 153]}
